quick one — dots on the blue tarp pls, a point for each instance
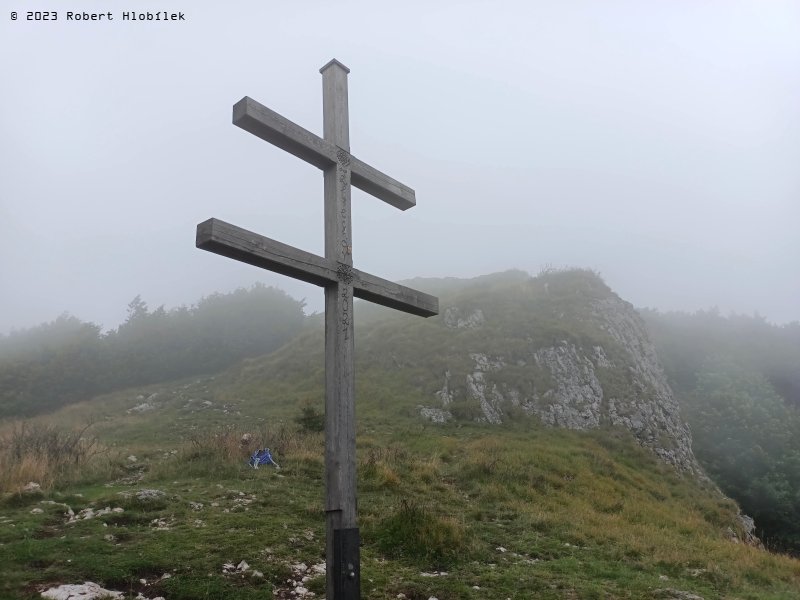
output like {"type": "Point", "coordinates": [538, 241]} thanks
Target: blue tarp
{"type": "Point", "coordinates": [262, 457]}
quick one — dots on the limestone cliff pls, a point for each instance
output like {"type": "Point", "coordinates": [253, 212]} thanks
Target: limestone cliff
{"type": "Point", "coordinates": [561, 346]}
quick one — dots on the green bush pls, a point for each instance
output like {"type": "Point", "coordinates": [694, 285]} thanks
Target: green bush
{"type": "Point", "coordinates": [311, 419]}
{"type": "Point", "coordinates": [418, 535]}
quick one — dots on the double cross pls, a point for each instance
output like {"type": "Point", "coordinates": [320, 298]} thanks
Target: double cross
{"type": "Point", "coordinates": [335, 273]}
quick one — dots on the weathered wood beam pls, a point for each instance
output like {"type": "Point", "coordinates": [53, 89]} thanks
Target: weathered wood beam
{"type": "Point", "coordinates": [283, 133]}
{"type": "Point", "coordinates": [245, 246]}
{"type": "Point", "coordinates": [393, 295]}
{"type": "Point", "coordinates": [380, 185]}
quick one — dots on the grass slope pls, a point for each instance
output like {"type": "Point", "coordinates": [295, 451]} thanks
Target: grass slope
{"type": "Point", "coordinates": [453, 512]}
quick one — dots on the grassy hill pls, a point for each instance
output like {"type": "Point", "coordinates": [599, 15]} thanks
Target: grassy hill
{"type": "Point", "coordinates": [457, 510]}
{"type": "Point", "coordinates": [518, 512]}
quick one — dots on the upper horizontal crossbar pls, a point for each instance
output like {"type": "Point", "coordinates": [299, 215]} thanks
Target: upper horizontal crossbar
{"type": "Point", "coordinates": [245, 246]}
{"type": "Point", "coordinates": [283, 133]}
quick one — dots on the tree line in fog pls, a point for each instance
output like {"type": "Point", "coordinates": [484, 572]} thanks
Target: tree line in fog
{"type": "Point", "coordinates": [737, 379]}
{"type": "Point", "coordinates": [68, 360]}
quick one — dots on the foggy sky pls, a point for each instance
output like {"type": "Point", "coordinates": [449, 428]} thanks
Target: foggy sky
{"type": "Point", "coordinates": [655, 142]}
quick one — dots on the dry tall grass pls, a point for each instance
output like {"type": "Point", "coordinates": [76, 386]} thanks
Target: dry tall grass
{"type": "Point", "coordinates": [214, 451]}
{"type": "Point", "coordinates": [43, 454]}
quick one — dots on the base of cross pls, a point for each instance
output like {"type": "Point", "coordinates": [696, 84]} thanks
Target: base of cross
{"type": "Point", "coordinates": [346, 561]}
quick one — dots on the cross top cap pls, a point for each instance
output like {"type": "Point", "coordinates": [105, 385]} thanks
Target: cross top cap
{"type": "Point", "coordinates": [333, 62]}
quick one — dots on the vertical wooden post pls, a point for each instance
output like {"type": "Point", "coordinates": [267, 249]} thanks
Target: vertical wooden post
{"type": "Point", "coordinates": [343, 572]}
{"type": "Point", "coordinates": [335, 272]}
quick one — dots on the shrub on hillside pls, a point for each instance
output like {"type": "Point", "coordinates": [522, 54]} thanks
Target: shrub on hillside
{"type": "Point", "coordinates": [310, 418]}
{"type": "Point", "coordinates": [43, 454]}
{"type": "Point", "coordinates": [417, 534]}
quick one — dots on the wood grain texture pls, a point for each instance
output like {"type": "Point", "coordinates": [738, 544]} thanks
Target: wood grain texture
{"type": "Point", "coordinates": [294, 139]}
{"type": "Point", "coordinates": [340, 402]}
{"type": "Point", "coordinates": [335, 111]}
{"type": "Point", "coordinates": [283, 133]}
{"type": "Point", "coordinates": [393, 295]}
{"type": "Point", "coordinates": [245, 246]}
{"type": "Point", "coordinates": [381, 186]}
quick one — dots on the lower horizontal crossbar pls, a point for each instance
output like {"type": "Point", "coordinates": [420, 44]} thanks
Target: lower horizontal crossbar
{"type": "Point", "coordinates": [234, 242]}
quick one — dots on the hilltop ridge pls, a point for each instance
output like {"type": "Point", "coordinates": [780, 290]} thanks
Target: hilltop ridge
{"type": "Point", "coordinates": [562, 347]}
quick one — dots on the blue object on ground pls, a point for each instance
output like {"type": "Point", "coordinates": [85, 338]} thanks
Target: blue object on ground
{"type": "Point", "coordinates": [262, 457]}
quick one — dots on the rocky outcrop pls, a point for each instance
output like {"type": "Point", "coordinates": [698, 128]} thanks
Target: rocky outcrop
{"type": "Point", "coordinates": [610, 376]}
{"type": "Point", "coordinates": [456, 318]}
{"type": "Point", "coordinates": [482, 391]}
{"type": "Point", "coordinates": [575, 401]}
{"type": "Point", "coordinates": [648, 407]}
{"type": "Point", "coordinates": [435, 415]}
{"type": "Point", "coordinates": [747, 531]}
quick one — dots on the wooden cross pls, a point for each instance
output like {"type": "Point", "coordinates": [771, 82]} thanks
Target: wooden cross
{"type": "Point", "coordinates": [341, 281]}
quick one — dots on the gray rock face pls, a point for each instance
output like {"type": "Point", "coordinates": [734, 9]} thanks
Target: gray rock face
{"type": "Point", "coordinates": [435, 415]}
{"type": "Point", "coordinates": [748, 531]}
{"type": "Point", "coordinates": [458, 319]}
{"type": "Point", "coordinates": [575, 403]}
{"type": "Point", "coordinates": [487, 395]}
{"type": "Point", "coordinates": [649, 410]}
{"type": "Point", "coordinates": [617, 380]}
{"type": "Point", "coordinates": [445, 395]}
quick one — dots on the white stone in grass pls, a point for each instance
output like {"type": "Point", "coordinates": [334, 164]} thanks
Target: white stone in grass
{"type": "Point", "coordinates": [31, 486]}
{"type": "Point", "coordinates": [36, 511]}
{"type": "Point", "coordinates": [501, 549]}
{"type": "Point", "coordinates": [86, 591]}
{"type": "Point", "coordinates": [149, 494]}
{"type": "Point", "coordinates": [160, 524]}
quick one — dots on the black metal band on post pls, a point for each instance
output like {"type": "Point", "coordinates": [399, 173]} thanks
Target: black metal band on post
{"type": "Point", "coordinates": [347, 561]}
